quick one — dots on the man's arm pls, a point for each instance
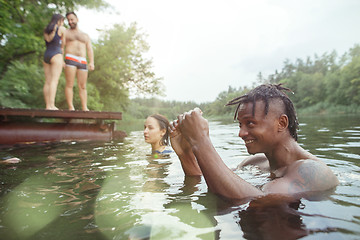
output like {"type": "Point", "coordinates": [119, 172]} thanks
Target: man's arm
{"type": "Point", "coordinates": [90, 53]}
{"type": "Point", "coordinates": [183, 149]}
{"type": "Point", "coordinates": [219, 178]}
{"type": "Point", "coordinates": [259, 160]}
{"type": "Point", "coordinates": [300, 177]}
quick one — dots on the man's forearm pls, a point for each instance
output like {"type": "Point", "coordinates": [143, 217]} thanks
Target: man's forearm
{"type": "Point", "coordinates": [189, 164]}
{"type": "Point", "coordinates": [91, 56]}
{"type": "Point", "coordinates": [90, 52]}
{"type": "Point", "coordinates": [219, 178]}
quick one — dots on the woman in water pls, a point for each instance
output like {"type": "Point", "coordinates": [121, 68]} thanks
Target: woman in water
{"type": "Point", "coordinates": [156, 133]}
{"type": "Point", "coordinates": [54, 36]}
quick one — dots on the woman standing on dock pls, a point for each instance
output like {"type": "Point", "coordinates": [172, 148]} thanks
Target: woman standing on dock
{"type": "Point", "coordinates": [54, 36]}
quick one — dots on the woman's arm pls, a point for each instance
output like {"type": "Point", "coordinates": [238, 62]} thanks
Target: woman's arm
{"type": "Point", "coordinates": [62, 34]}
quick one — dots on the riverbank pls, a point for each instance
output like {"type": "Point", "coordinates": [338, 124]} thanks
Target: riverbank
{"type": "Point", "coordinates": [130, 123]}
{"type": "Point", "coordinates": [324, 108]}
{"type": "Point", "coordinates": [320, 109]}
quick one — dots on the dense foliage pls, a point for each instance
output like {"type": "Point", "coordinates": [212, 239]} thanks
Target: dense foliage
{"type": "Point", "coordinates": [120, 65]}
{"type": "Point", "coordinates": [325, 78]}
{"type": "Point", "coordinates": [328, 84]}
{"type": "Point", "coordinates": [323, 81]}
{"type": "Point", "coordinates": [141, 108]}
{"type": "Point", "coordinates": [22, 23]}
{"type": "Point", "coordinates": [218, 108]}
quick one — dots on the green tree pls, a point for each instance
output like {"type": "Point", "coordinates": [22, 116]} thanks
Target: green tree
{"type": "Point", "coordinates": [120, 64]}
{"type": "Point", "coordinates": [349, 83]}
{"type": "Point", "coordinates": [218, 108]}
{"type": "Point", "coordinates": [22, 23]}
{"type": "Point", "coordinates": [324, 79]}
{"type": "Point", "coordinates": [310, 89]}
{"type": "Point", "coordinates": [18, 91]}
{"type": "Point", "coordinates": [121, 67]}
{"type": "Point", "coordinates": [140, 108]}
{"type": "Point", "coordinates": [22, 47]}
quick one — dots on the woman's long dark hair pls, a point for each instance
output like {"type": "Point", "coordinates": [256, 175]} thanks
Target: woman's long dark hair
{"type": "Point", "coordinates": [164, 124]}
{"type": "Point", "coordinates": [54, 20]}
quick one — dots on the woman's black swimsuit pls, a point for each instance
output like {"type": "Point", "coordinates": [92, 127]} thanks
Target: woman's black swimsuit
{"type": "Point", "coordinates": [53, 47]}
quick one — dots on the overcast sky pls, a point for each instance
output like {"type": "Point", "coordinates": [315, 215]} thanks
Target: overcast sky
{"type": "Point", "coordinates": [201, 47]}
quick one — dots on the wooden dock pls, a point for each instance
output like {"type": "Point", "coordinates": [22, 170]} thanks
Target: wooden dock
{"type": "Point", "coordinates": [64, 114]}
{"type": "Point", "coordinates": [28, 125]}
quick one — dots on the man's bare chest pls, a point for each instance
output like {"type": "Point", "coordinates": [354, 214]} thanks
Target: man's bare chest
{"type": "Point", "coordinates": [76, 36]}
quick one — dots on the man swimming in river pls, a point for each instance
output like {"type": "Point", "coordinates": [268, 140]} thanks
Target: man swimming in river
{"type": "Point", "coordinates": [268, 126]}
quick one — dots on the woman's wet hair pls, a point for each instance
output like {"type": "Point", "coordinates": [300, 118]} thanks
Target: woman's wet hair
{"type": "Point", "coordinates": [54, 20]}
{"type": "Point", "coordinates": [164, 124]}
{"type": "Point", "coordinates": [267, 93]}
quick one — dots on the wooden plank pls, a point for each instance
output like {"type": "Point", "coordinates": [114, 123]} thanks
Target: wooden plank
{"type": "Point", "coordinates": [36, 132]}
{"type": "Point", "coordinates": [43, 113]}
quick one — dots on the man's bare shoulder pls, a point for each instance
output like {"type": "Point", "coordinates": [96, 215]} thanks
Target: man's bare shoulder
{"type": "Point", "coordinates": [313, 169]}
{"type": "Point", "coordinates": [84, 34]}
{"type": "Point", "coordinates": [259, 160]}
{"type": "Point", "coordinates": [307, 175]}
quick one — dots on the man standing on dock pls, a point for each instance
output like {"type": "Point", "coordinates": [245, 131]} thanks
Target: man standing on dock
{"type": "Point", "coordinates": [77, 44]}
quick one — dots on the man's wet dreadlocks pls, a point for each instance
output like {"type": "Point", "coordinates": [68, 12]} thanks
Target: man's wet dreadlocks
{"type": "Point", "coordinates": [266, 93]}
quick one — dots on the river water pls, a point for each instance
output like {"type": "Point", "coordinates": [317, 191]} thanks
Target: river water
{"type": "Point", "coordinates": [115, 190]}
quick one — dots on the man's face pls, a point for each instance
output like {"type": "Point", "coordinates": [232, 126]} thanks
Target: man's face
{"type": "Point", "coordinates": [72, 20]}
{"type": "Point", "coordinates": [258, 131]}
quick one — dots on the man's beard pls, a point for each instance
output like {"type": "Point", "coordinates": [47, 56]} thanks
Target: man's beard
{"type": "Point", "coordinates": [73, 26]}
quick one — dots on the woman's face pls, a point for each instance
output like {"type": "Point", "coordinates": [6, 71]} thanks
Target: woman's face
{"type": "Point", "coordinates": [152, 131]}
{"type": "Point", "coordinates": [60, 22]}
